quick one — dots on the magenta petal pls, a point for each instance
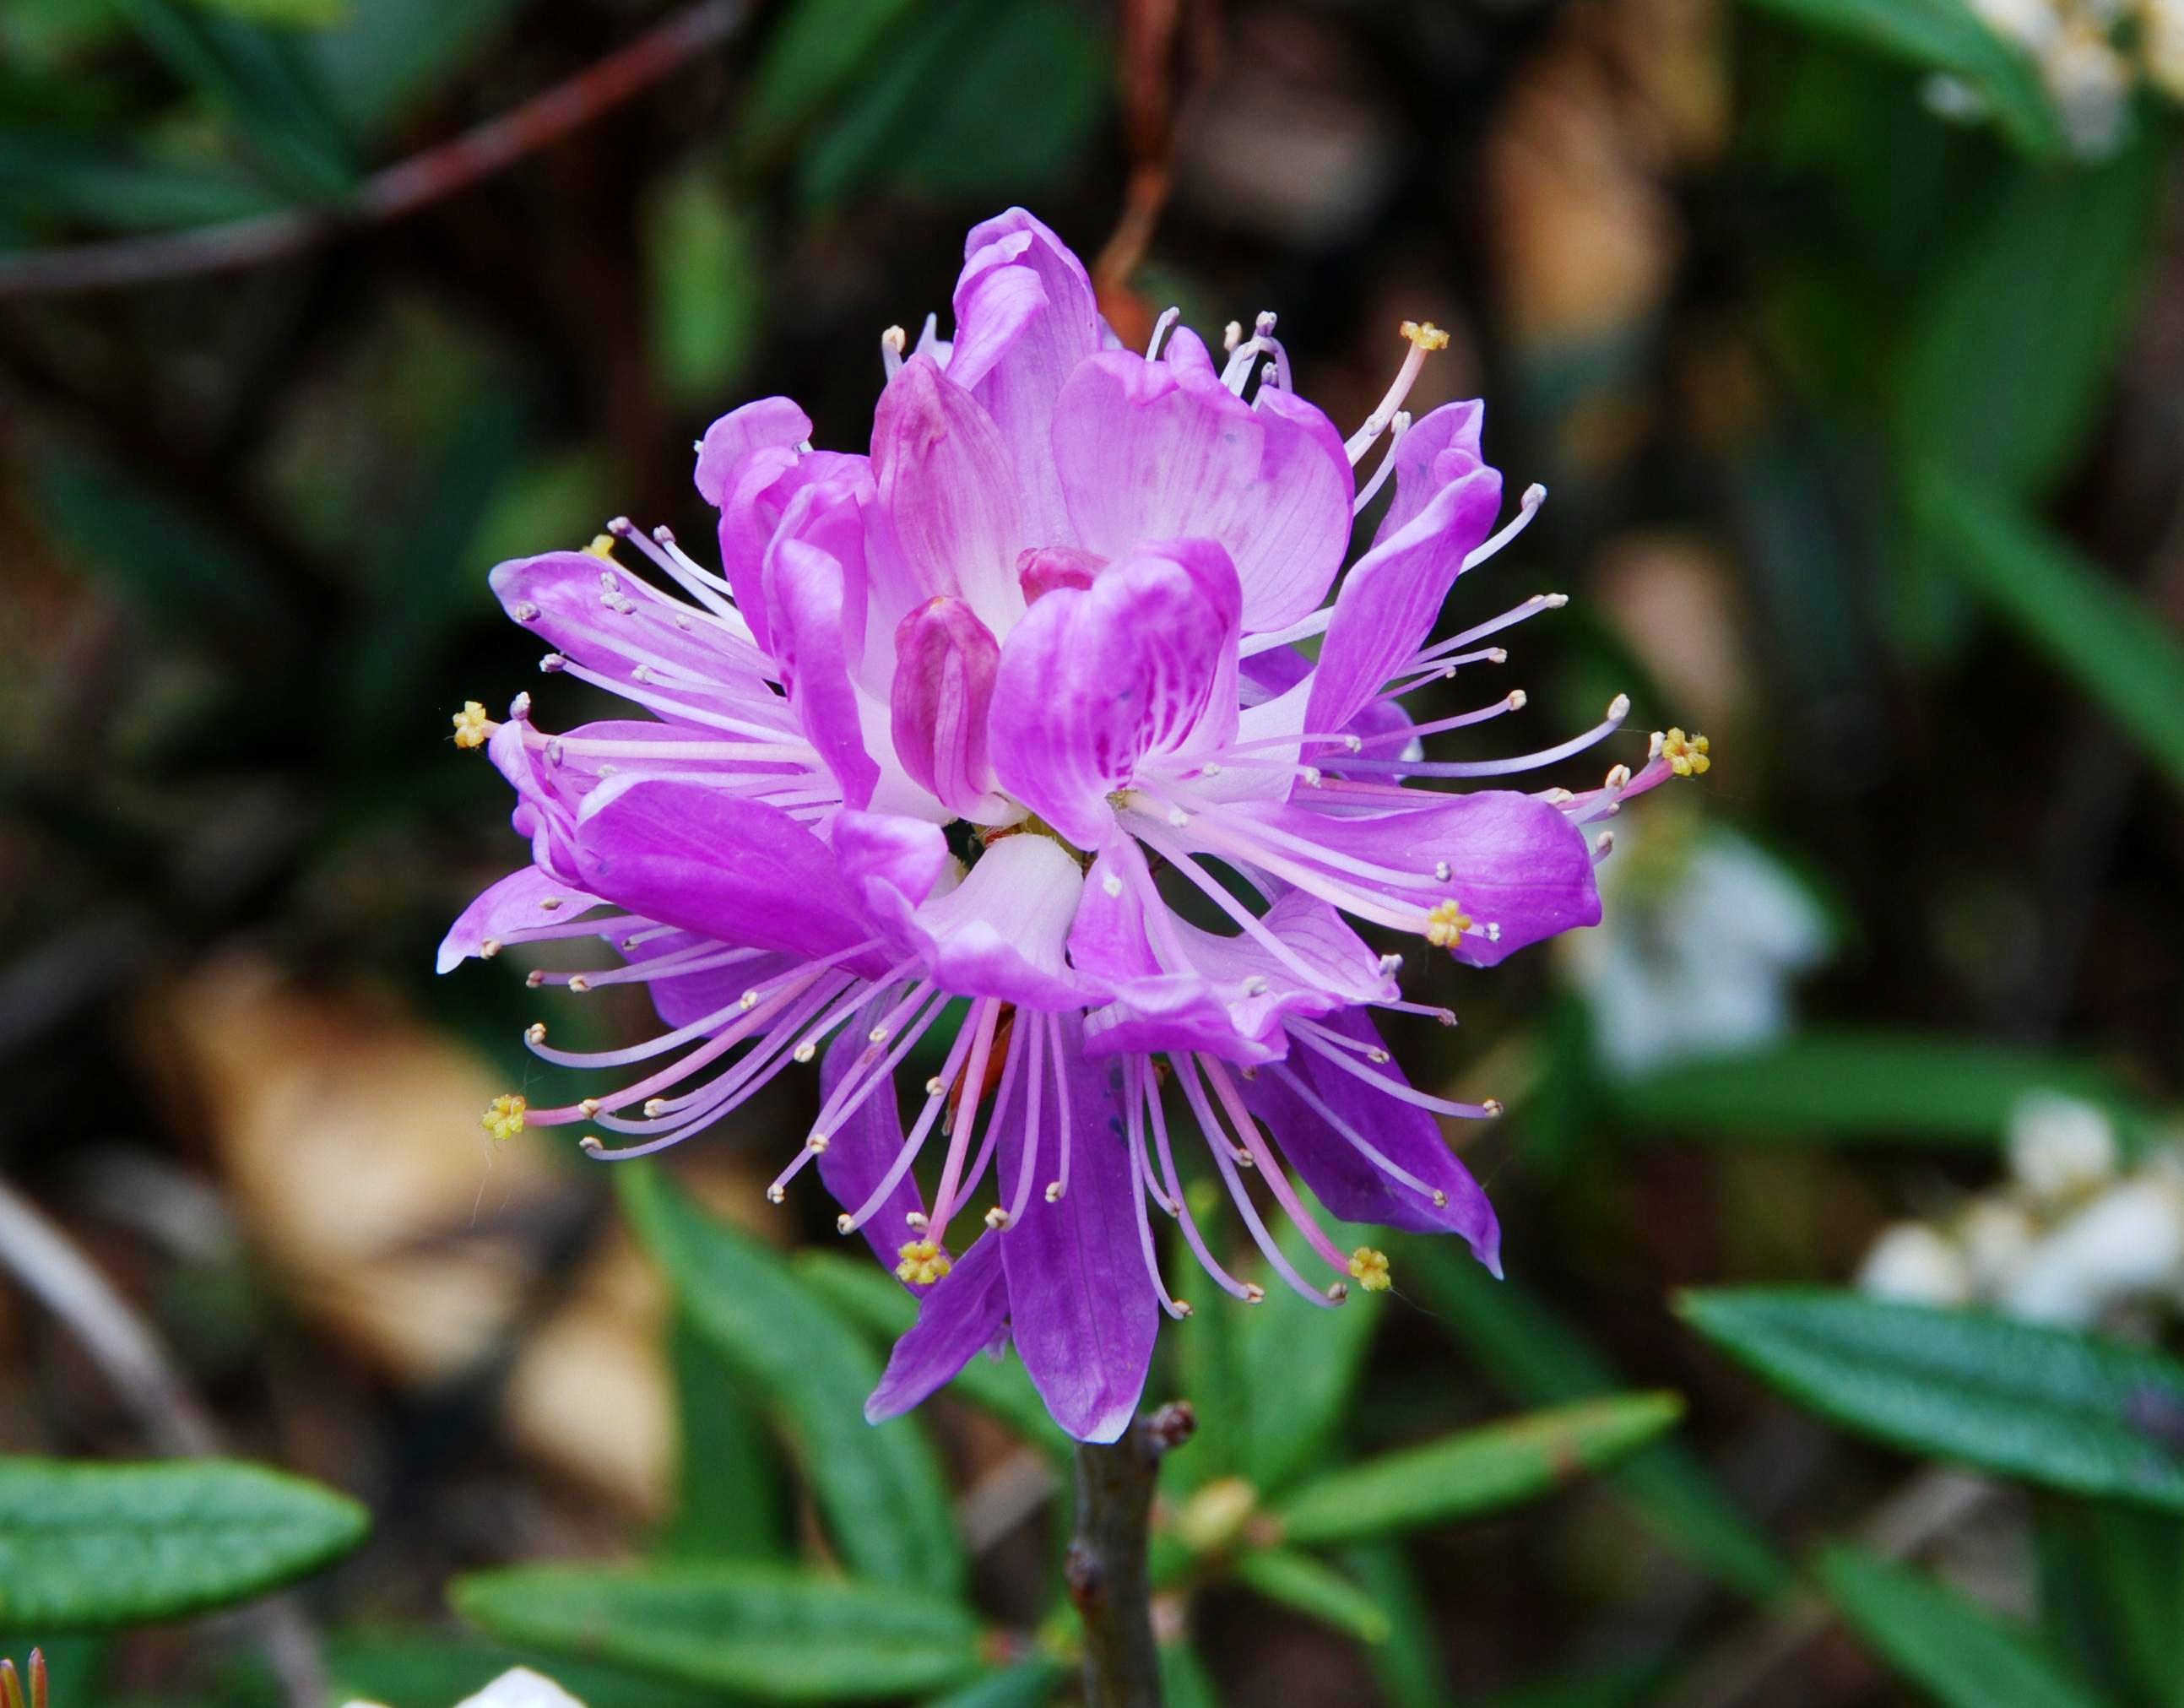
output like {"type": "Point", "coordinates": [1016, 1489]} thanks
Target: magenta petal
{"type": "Point", "coordinates": [862, 1149]}
{"type": "Point", "coordinates": [522, 901]}
{"type": "Point", "coordinates": [1440, 449]}
{"type": "Point", "coordinates": [614, 623]}
{"type": "Point", "coordinates": [1044, 568]}
{"type": "Point", "coordinates": [767, 483]}
{"type": "Point", "coordinates": [755, 426]}
{"type": "Point", "coordinates": [1003, 931]}
{"type": "Point", "coordinates": [1515, 862]}
{"type": "Point", "coordinates": [945, 659]}
{"type": "Point", "coordinates": [687, 854]}
{"type": "Point", "coordinates": [1025, 318]}
{"type": "Point", "coordinates": [1156, 450]}
{"type": "Point", "coordinates": [1094, 680]}
{"type": "Point", "coordinates": [1081, 1306]}
{"type": "Point", "coordinates": [963, 1314]}
{"type": "Point", "coordinates": [811, 633]}
{"type": "Point", "coordinates": [1387, 603]}
{"type": "Point", "coordinates": [891, 863]}
{"type": "Point", "coordinates": [947, 493]}
{"type": "Point", "coordinates": [1351, 1186]}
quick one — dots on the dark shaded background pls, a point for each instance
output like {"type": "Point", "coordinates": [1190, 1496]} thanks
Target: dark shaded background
{"type": "Point", "coordinates": [1735, 293]}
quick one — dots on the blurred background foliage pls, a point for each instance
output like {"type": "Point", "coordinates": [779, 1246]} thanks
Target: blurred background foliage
{"type": "Point", "coordinates": [1848, 336]}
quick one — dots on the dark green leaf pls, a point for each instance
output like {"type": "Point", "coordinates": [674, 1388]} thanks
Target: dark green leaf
{"type": "Point", "coordinates": [260, 79]}
{"type": "Point", "coordinates": [1298, 1367]}
{"type": "Point", "coordinates": [877, 1304]}
{"type": "Point", "coordinates": [1408, 1666]}
{"type": "Point", "coordinates": [1857, 1085]}
{"type": "Point", "coordinates": [1299, 1581]}
{"type": "Point", "coordinates": [2068, 1410]}
{"type": "Point", "coordinates": [704, 274]}
{"type": "Point", "coordinates": [880, 1489]}
{"type": "Point", "coordinates": [1479, 1472]}
{"type": "Point", "coordinates": [1032, 1684]}
{"type": "Point", "coordinates": [728, 1503]}
{"type": "Point", "coordinates": [2009, 353]}
{"type": "Point", "coordinates": [1537, 1359]}
{"type": "Point", "coordinates": [2117, 650]}
{"type": "Point", "coordinates": [741, 1627]}
{"type": "Point", "coordinates": [1184, 1681]}
{"type": "Point", "coordinates": [1948, 37]}
{"type": "Point", "coordinates": [816, 49]}
{"type": "Point", "coordinates": [1957, 1652]}
{"type": "Point", "coordinates": [431, 1669]}
{"type": "Point", "coordinates": [54, 175]}
{"type": "Point", "coordinates": [2112, 1595]}
{"type": "Point", "coordinates": [391, 54]}
{"type": "Point", "coordinates": [92, 1547]}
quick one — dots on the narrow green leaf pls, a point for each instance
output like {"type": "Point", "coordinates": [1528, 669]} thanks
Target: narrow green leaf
{"type": "Point", "coordinates": [817, 48]}
{"type": "Point", "coordinates": [2009, 353]}
{"type": "Point", "coordinates": [703, 274]}
{"type": "Point", "coordinates": [2068, 1410]}
{"type": "Point", "coordinates": [1956, 1651]}
{"type": "Point", "coordinates": [1298, 1367]}
{"type": "Point", "coordinates": [1479, 1472]}
{"type": "Point", "coordinates": [873, 1300]}
{"type": "Point", "coordinates": [729, 1503]}
{"type": "Point", "coordinates": [431, 1669]}
{"type": "Point", "coordinates": [1299, 1581]}
{"type": "Point", "coordinates": [741, 1627]}
{"type": "Point", "coordinates": [2112, 1595]}
{"type": "Point", "coordinates": [1539, 1358]}
{"type": "Point", "coordinates": [390, 54]}
{"type": "Point", "coordinates": [1850, 1086]}
{"type": "Point", "coordinates": [2117, 650]}
{"type": "Point", "coordinates": [1944, 36]}
{"type": "Point", "coordinates": [91, 1547]}
{"type": "Point", "coordinates": [1032, 1684]}
{"type": "Point", "coordinates": [56, 175]}
{"type": "Point", "coordinates": [880, 1489]}
{"type": "Point", "coordinates": [1408, 1666]}
{"type": "Point", "coordinates": [1184, 1681]}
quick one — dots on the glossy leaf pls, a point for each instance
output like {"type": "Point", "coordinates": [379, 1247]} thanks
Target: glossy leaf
{"type": "Point", "coordinates": [2116, 649]}
{"type": "Point", "coordinates": [741, 1627]}
{"type": "Point", "coordinates": [1956, 1651]}
{"type": "Point", "coordinates": [1299, 1581]}
{"type": "Point", "coordinates": [1947, 37]}
{"type": "Point", "coordinates": [86, 1547]}
{"type": "Point", "coordinates": [1848, 1085]}
{"type": "Point", "coordinates": [1537, 1359]}
{"type": "Point", "coordinates": [2112, 1595]}
{"type": "Point", "coordinates": [1479, 1472]}
{"type": "Point", "coordinates": [431, 1669]}
{"type": "Point", "coordinates": [2069, 1410]}
{"type": "Point", "coordinates": [880, 1489]}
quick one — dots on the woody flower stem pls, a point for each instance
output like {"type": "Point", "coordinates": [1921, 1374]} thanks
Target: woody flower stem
{"type": "Point", "coordinates": [1108, 1578]}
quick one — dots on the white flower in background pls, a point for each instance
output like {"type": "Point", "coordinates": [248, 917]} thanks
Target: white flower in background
{"type": "Point", "coordinates": [518, 1687]}
{"type": "Point", "coordinates": [2073, 1236]}
{"type": "Point", "coordinates": [2091, 54]}
{"type": "Point", "coordinates": [1696, 956]}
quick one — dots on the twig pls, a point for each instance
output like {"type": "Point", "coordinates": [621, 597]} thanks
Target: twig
{"type": "Point", "coordinates": [167, 1410]}
{"type": "Point", "coordinates": [416, 182]}
{"type": "Point", "coordinates": [1107, 1572]}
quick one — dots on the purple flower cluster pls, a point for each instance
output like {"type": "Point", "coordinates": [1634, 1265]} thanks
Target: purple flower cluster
{"type": "Point", "coordinates": [954, 726]}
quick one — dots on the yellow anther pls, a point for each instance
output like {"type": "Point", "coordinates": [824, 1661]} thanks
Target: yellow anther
{"type": "Point", "coordinates": [1445, 923]}
{"type": "Point", "coordinates": [504, 1116]}
{"type": "Point", "coordinates": [922, 1263]}
{"type": "Point", "coordinates": [1687, 754]}
{"type": "Point", "coordinates": [602, 547]}
{"type": "Point", "coordinates": [1425, 335]}
{"type": "Point", "coordinates": [1369, 1269]}
{"type": "Point", "coordinates": [470, 725]}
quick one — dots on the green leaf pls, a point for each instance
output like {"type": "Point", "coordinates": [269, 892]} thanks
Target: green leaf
{"type": "Point", "coordinates": [741, 1627]}
{"type": "Point", "coordinates": [816, 49]}
{"type": "Point", "coordinates": [2067, 1410]}
{"type": "Point", "coordinates": [260, 79]}
{"type": "Point", "coordinates": [2008, 355]}
{"type": "Point", "coordinates": [91, 1547]}
{"type": "Point", "coordinates": [431, 1669]}
{"type": "Point", "coordinates": [2112, 1595]}
{"type": "Point", "coordinates": [1299, 1581]}
{"type": "Point", "coordinates": [54, 175]}
{"type": "Point", "coordinates": [1408, 1665]}
{"type": "Point", "coordinates": [1536, 1356]}
{"type": "Point", "coordinates": [1297, 1367]}
{"type": "Point", "coordinates": [1031, 1685]}
{"type": "Point", "coordinates": [1184, 1681]}
{"type": "Point", "coordinates": [702, 273]}
{"type": "Point", "coordinates": [873, 1300]}
{"type": "Point", "coordinates": [1833, 1086]}
{"type": "Point", "coordinates": [2116, 649]}
{"type": "Point", "coordinates": [1948, 37]}
{"type": "Point", "coordinates": [391, 54]}
{"type": "Point", "coordinates": [1956, 1651]}
{"type": "Point", "coordinates": [880, 1489]}
{"type": "Point", "coordinates": [729, 1502]}
{"type": "Point", "coordinates": [1479, 1472]}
